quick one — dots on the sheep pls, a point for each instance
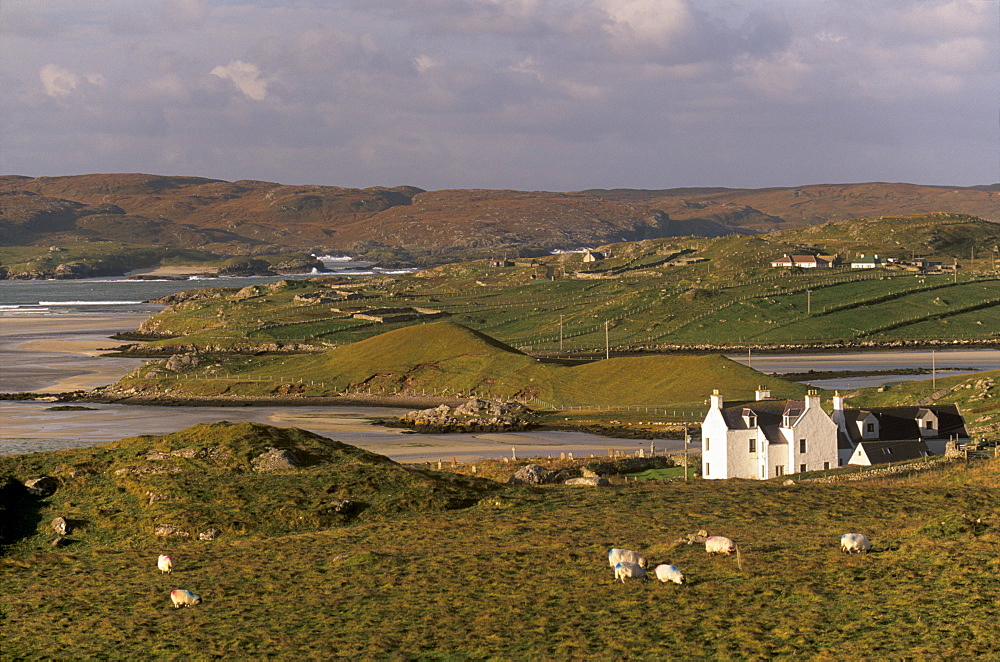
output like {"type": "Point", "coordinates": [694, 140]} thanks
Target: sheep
{"type": "Point", "coordinates": [617, 555]}
{"type": "Point", "coordinates": [181, 597]}
{"type": "Point", "coordinates": [668, 573]}
{"type": "Point", "coordinates": [719, 545]}
{"type": "Point", "coordinates": [855, 542]}
{"type": "Point", "coordinates": [165, 564]}
{"type": "Point", "coordinates": [628, 569]}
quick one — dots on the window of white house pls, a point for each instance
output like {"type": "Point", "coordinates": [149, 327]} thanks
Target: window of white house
{"type": "Point", "coordinates": [707, 468]}
{"type": "Point", "coordinates": [706, 444]}
{"type": "Point", "coordinates": [779, 470]}
{"type": "Point", "coordinates": [929, 425]}
{"type": "Point", "coordinates": [887, 451]}
{"type": "Point", "coordinates": [802, 468]}
{"type": "Point", "coordinates": [871, 427]}
{"type": "Point", "coordinates": [753, 445]}
{"type": "Point", "coordinates": [826, 465]}
{"type": "Point", "coordinates": [802, 445]}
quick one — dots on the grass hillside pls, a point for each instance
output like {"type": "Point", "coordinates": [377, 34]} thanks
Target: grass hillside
{"type": "Point", "coordinates": [208, 476]}
{"type": "Point", "coordinates": [524, 574]}
{"type": "Point", "coordinates": [443, 358]}
{"type": "Point", "coordinates": [646, 296]}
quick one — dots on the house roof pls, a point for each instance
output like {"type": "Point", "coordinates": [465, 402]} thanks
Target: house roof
{"type": "Point", "coordinates": [769, 413]}
{"type": "Point", "coordinates": [880, 452]}
{"type": "Point", "coordinates": [899, 423]}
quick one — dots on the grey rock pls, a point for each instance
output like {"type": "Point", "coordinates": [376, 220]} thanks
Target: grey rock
{"type": "Point", "coordinates": [61, 526]}
{"type": "Point", "coordinates": [530, 474]}
{"type": "Point", "coordinates": [42, 487]}
{"type": "Point", "coordinates": [164, 530]}
{"type": "Point", "coordinates": [209, 534]}
{"type": "Point", "coordinates": [341, 506]}
{"type": "Point", "coordinates": [276, 459]}
{"type": "Point", "coordinates": [592, 481]}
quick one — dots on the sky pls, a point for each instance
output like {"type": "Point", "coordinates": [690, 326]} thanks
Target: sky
{"type": "Point", "coordinates": [556, 95]}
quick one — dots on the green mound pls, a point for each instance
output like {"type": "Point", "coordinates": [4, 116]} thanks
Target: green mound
{"type": "Point", "coordinates": [243, 480]}
{"type": "Point", "coordinates": [447, 359]}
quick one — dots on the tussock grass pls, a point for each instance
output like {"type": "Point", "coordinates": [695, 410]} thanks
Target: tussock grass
{"type": "Point", "coordinates": [524, 574]}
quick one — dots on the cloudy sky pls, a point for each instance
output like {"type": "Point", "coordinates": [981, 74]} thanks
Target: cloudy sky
{"type": "Point", "coordinates": [526, 94]}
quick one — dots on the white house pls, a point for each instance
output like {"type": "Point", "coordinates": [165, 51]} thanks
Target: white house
{"type": "Point", "coordinates": [867, 262]}
{"type": "Point", "coordinates": [893, 434]}
{"type": "Point", "coordinates": [766, 438]}
{"type": "Point", "coordinates": [805, 261]}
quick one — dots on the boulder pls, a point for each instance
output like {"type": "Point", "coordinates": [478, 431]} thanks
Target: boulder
{"type": "Point", "coordinates": [164, 530]}
{"type": "Point", "coordinates": [589, 481]}
{"type": "Point", "coordinates": [42, 487]}
{"type": "Point", "coordinates": [276, 459]}
{"type": "Point", "coordinates": [61, 526]}
{"type": "Point", "coordinates": [340, 506]}
{"type": "Point", "coordinates": [529, 474]}
{"type": "Point", "coordinates": [209, 534]}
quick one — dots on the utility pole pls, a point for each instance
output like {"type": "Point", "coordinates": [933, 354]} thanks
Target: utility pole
{"type": "Point", "coordinates": [809, 302]}
{"type": "Point", "coordinates": [607, 344]}
{"type": "Point", "coordinates": [560, 334]}
{"type": "Point", "coordinates": [685, 454]}
{"type": "Point", "coordinates": [933, 370]}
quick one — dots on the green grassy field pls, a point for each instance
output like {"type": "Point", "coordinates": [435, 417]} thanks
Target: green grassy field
{"type": "Point", "coordinates": [523, 573]}
{"type": "Point", "coordinates": [640, 299]}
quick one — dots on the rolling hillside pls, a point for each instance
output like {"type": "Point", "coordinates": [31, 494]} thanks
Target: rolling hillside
{"type": "Point", "coordinates": [253, 217]}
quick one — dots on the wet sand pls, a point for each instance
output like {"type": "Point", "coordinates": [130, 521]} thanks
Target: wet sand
{"type": "Point", "coordinates": [55, 354]}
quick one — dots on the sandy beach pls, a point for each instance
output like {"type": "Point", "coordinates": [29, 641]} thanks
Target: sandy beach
{"type": "Point", "coordinates": [192, 270]}
{"type": "Point", "coordinates": [53, 354]}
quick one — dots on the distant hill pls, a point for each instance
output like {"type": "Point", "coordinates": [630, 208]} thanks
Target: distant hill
{"type": "Point", "coordinates": [255, 217]}
{"type": "Point", "coordinates": [445, 358]}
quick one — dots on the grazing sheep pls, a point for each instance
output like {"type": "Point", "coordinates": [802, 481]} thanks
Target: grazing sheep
{"type": "Point", "coordinates": [719, 545]}
{"type": "Point", "coordinates": [628, 569]}
{"type": "Point", "coordinates": [855, 542]}
{"type": "Point", "coordinates": [181, 597]}
{"type": "Point", "coordinates": [668, 573]}
{"type": "Point", "coordinates": [617, 555]}
{"type": "Point", "coordinates": [165, 563]}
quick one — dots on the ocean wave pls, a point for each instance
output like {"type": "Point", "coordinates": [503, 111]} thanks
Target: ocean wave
{"type": "Point", "coordinates": [89, 303]}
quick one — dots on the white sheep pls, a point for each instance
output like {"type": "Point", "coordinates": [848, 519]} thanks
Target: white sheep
{"type": "Point", "coordinates": [719, 545]}
{"type": "Point", "coordinates": [855, 542]}
{"type": "Point", "coordinates": [668, 573]}
{"type": "Point", "coordinates": [628, 569]}
{"type": "Point", "coordinates": [616, 556]}
{"type": "Point", "coordinates": [165, 563]}
{"type": "Point", "coordinates": [181, 597]}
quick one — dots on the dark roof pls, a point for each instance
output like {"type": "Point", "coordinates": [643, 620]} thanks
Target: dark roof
{"type": "Point", "coordinates": [769, 415]}
{"type": "Point", "coordinates": [880, 452]}
{"type": "Point", "coordinates": [899, 423]}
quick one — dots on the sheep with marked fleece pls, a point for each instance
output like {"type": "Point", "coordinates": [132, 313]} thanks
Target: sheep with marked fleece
{"type": "Point", "coordinates": [616, 556]}
{"type": "Point", "coordinates": [165, 564]}
{"type": "Point", "coordinates": [629, 570]}
{"type": "Point", "coordinates": [855, 542]}
{"type": "Point", "coordinates": [181, 597]}
{"type": "Point", "coordinates": [668, 573]}
{"type": "Point", "coordinates": [719, 545]}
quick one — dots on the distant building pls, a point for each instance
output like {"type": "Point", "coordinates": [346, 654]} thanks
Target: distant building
{"type": "Point", "coordinates": [867, 262]}
{"type": "Point", "coordinates": [593, 256]}
{"type": "Point", "coordinates": [766, 438]}
{"type": "Point", "coordinates": [805, 261]}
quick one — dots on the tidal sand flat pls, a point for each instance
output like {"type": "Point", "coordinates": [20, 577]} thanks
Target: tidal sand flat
{"type": "Point", "coordinates": [56, 353]}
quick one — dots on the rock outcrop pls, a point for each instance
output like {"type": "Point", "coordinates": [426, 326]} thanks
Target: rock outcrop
{"type": "Point", "coordinates": [473, 416]}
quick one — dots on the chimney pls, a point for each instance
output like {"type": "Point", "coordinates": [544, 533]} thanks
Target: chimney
{"type": "Point", "coordinates": [812, 399]}
{"type": "Point", "coordinates": [762, 393]}
{"type": "Point", "coordinates": [716, 399]}
{"type": "Point", "coordinates": [838, 401]}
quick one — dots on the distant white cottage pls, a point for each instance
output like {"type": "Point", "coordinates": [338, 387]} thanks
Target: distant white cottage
{"type": "Point", "coordinates": [766, 438]}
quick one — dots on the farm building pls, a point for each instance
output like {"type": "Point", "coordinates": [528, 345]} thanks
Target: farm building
{"type": "Point", "coordinates": [867, 262]}
{"type": "Point", "coordinates": [805, 261]}
{"type": "Point", "coordinates": [766, 438]}
{"type": "Point", "coordinates": [879, 452]}
{"type": "Point", "coordinates": [593, 256]}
